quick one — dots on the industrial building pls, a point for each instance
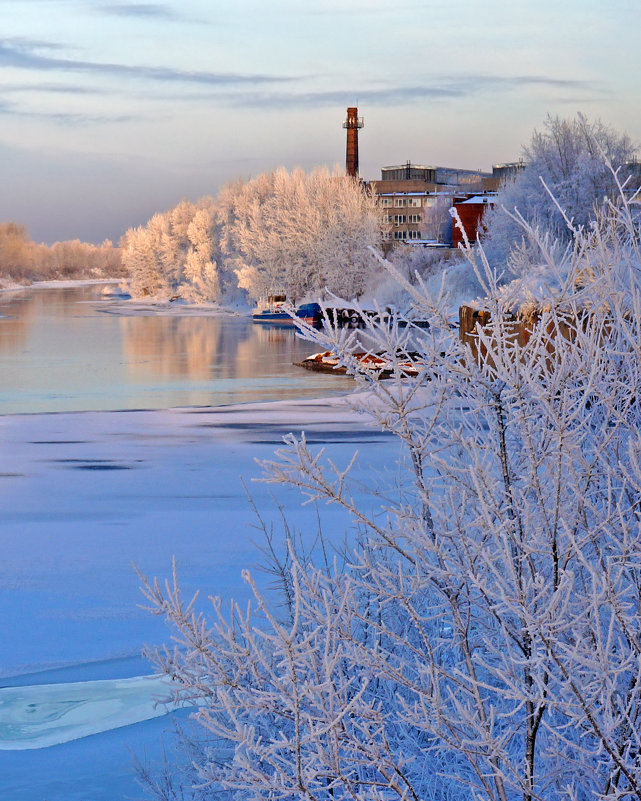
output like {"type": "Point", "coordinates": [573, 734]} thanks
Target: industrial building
{"type": "Point", "coordinates": [416, 199]}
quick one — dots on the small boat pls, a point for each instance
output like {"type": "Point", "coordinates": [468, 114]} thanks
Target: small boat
{"type": "Point", "coordinates": [372, 363]}
{"type": "Point", "coordinates": [271, 311]}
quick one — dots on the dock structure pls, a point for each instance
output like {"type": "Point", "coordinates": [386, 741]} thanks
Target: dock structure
{"type": "Point", "coordinates": [345, 315]}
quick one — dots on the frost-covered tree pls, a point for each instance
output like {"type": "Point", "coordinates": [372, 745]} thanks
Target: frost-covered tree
{"type": "Point", "coordinates": [201, 280]}
{"type": "Point", "coordinates": [300, 233]}
{"type": "Point", "coordinates": [567, 155]}
{"type": "Point", "coordinates": [159, 254]}
{"type": "Point", "coordinates": [293, 232]}
{"type": "Point", "coordinates": [141, 260]}
{"type": "Point", "coordinates": [16, 250]}
{"type": "Point", "coordinates": [483, 639]}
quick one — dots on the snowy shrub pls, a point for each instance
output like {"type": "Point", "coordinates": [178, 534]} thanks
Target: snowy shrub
{"type": "Point", "coordinates": [483, 640]}
{"type": "Point", "coordinates": [23, 260]}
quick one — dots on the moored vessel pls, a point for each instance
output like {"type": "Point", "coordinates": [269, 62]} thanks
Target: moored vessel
{"type": "Point", "coordinates": [273, 310]}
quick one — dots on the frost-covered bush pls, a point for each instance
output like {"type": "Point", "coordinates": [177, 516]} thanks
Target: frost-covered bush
{"type": "Point", "coordinates": [22, 260]}
{"type": "Point", "coordinates": [483, 640]}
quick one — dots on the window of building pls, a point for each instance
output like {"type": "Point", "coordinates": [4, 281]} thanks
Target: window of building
{"type": "Point", "coordinates": [399, 202]}
{"type": "Point", "coordinates": [386, 235]}
{"type": "Point", "coordinates": [399, 219]}
{"type": "Point", "coordinates": [399, 234]}
{"type": "Point", "coordinates": [413, 234]}
{"type": "Point", "coordinates": [386, 202]}
{"type": "Point", "coordinates": [415, 202]}
{"type": "Point", "coordinates": [415, 218]}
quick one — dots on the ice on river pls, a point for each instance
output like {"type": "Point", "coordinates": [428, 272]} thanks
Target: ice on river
{"type": "Point", "coordinates": [86, 495]}
{"type": "Point", "coordinates": [42, 715]}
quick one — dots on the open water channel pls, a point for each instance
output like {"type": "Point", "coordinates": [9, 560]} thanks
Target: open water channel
{"type": "Point", "coordinates": [79, 349]}
{"type": "Point", "coordinates": [129, 436]}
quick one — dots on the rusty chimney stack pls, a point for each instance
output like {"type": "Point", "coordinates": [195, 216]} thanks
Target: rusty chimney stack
{"type": "Point", "coordinates": [352, 124]}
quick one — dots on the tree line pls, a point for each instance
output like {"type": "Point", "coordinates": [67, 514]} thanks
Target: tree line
{"type": "Point", "coordinates": [301, 233]}
{"type": "Point", "coordinates": [22, 260]}
{"type": "Point", "coordinates": [304, 233]}
{"type": "Point", "coordinates": [294, 232]}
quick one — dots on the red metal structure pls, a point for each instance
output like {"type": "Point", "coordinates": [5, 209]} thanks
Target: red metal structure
{"type": "Point", "coordinates": [471, 210]}
{"type": "Point", "coordinates": [352, 124]}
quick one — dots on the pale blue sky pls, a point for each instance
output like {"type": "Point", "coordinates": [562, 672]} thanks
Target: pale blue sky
{"type": "Point", "coordinates": [111, 110]}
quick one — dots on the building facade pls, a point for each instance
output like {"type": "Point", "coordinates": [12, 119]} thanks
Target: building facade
{"type": "Point", "coordinates": [416, 202]}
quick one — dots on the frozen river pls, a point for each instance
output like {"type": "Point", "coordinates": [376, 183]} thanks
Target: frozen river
{"type": "Point", "coordinates": [89, 487]}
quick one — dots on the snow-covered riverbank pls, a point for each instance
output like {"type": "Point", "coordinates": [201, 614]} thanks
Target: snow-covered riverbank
{"type": "Point", "coordinates": [116, 300]}
{"type": "Point", "coordinates": [7, 285]}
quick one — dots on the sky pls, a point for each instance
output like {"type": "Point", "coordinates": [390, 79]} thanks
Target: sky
{"type": "Point", "coordinates": [113, 110]}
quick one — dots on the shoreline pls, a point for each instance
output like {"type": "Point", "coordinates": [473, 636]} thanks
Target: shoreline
{"type": "Point", "coordinates": [133, 306]}
{"type": "Point", "coordinates": [57, 283]}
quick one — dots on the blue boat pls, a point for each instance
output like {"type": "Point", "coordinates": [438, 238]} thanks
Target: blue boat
{"type": "Point", "coordinates": [272, 311]}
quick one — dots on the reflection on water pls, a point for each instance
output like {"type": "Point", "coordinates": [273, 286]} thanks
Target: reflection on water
{"type": "Point", "coordinates": [184, 346]}
{"type": "Point", "coordinates": [59, 351]}
{"type": "Point", "coordinates": [16, 318]}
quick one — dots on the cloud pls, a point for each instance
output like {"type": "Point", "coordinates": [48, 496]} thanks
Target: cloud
{"type": "Point", "coordinates": [50, 88]}
{"type": "Point", "coordinates": [140, 10]}
{"type": "Point", "coordinates": [440, 88]}
{"type": "Point", "coordinates": [390, 96]}
{"type": "Point", "coordinates": [71, 118]}
{"type": "Point", "coordinates": [482, 82]}
{"type": "Point", "coordinates": [23, 43]}
{"type": "Point", "coordinates": [25, 54]}
{"type": "Point", "coordinates": [64, 117]}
